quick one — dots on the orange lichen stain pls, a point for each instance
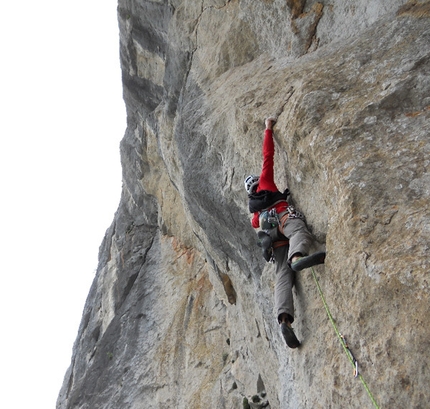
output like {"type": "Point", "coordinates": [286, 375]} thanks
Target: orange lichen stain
{"type": "Point", "coordinates": [415, 9]}
{"type": "Point", "coordinates": [296, 7]}
{"type": "Point", "coordinates": [182, 251]}
{"type": "Point", "coordinates": [200, 287]}
{"type": "Point", "coordinates": [417, 113]}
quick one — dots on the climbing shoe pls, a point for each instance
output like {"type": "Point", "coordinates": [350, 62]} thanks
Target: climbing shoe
{"type": "Point", "coordinates": [289, 336]}
{"type": "Point", "coordinates": [308, 261]}
{"type": "Point", "coordinates": [265, 242]}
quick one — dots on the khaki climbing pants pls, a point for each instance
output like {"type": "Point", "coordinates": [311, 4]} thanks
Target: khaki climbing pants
{"type": "Point", "coordinates": [296, 231]}
{"type": "Point", "coordinates": [300, 241]}
{"type": "Point", "coordinates": [283, 284]}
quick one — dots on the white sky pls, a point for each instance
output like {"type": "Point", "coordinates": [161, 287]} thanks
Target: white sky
{"type": "Point", "coordinates": [61, 120]}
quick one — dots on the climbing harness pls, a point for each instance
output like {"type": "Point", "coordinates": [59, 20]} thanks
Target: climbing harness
{"type": "Point", "coordinates": [290, 213]}
{"type": "Point", "coordinates": [342, 340]}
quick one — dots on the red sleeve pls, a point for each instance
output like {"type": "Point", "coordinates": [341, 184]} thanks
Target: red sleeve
{"type": "Point", "coordinates": [267, 177]}
{"type": "Point", "coordinates": [255, 222]}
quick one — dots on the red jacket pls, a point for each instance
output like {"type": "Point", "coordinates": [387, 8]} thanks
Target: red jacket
{"type": "Point", "coordinates": [267, 176]}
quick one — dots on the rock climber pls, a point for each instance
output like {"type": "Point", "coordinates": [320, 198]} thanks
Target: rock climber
{"type": "Point", "coordinates": [284, 235]}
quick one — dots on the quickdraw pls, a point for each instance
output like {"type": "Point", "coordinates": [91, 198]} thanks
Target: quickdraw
{"type": "Point", "coordinates": [343, 341]}
{"type": "Point", "coordinates": [293, 213]}
{"type": "Point", "coordinates": [354, 361]}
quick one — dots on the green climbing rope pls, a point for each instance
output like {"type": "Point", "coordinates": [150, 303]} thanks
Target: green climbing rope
{"type": "Point", "coordinates": [342, 340]}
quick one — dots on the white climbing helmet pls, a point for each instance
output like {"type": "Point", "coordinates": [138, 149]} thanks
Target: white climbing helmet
{"type": "Point", "coordinates": [251, 182]}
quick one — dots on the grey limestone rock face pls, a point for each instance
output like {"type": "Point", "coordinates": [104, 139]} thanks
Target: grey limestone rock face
{"type": "Point", "coordinates": [180, 313]}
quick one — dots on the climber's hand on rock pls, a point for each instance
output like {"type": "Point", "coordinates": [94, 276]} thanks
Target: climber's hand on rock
{"type": "Point", "coordinates": [270, 122]}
